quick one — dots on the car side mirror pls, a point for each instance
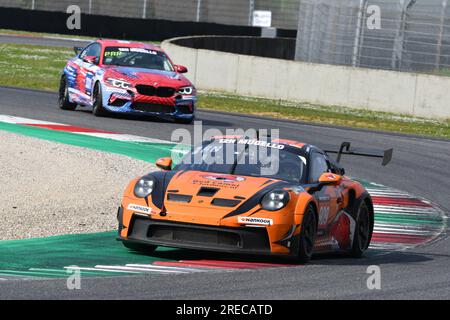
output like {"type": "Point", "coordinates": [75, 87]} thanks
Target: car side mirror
{"type": "Point", "coordinates": [164, 163]}
{"type": "Point", "coordinates": [77, 50]}
{"type": "Point", "coordinates": [90, 59]}
{"type": "Point", "coordinates": [180, 68]}
{"type": "Point", "coordinates": [329, 178]}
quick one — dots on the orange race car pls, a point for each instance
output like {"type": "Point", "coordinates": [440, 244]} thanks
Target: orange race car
{"type": "Point", "coordinates": [307, 205]}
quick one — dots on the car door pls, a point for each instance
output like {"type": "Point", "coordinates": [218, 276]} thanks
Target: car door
{"type": "Point", "coordinates": [328, 196]}
{"type": "Point", "coordinates": [88, 68]}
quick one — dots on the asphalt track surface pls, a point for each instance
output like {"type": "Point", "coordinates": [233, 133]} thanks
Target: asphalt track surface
{"type": "Point", "coordinates": [41, 41]}
{"type": "Point", "coordinates": [420, 166]}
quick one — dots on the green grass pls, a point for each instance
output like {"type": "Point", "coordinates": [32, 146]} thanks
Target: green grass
{"type": "Point", "coordinates": [332, 115]}
{"type": "Point", "coordinates": [39, 67]}
{"type": "Point", "coordinates": [35, 67]}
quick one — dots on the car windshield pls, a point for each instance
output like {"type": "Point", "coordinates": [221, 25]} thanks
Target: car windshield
{"type": "Point", "coordinates": [137, 58]}
{"type": "Point", "coordinates": [270, 161]}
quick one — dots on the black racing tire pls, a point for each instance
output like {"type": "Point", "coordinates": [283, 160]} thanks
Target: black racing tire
{"type": "Point", "coordinates": [97, 109]}
{"type": "Point", "coordinates": [307, 235]}
{"type": "Point", "coordinates": [63, 99]}
{"type": "Point", "coordinates": [363, 230]}
{"type": "Point", "coordinates": [144, 248]}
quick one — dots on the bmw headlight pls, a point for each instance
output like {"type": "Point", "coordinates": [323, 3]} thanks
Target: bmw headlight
{"type": "Point", "coordinates": [275, 200]}
{"type": "Point", "coordinates": [118, 83]}
{"type": "Point", "coordinates": [144, 187]}
{"type": "Point", "coordinates": [186, 91]}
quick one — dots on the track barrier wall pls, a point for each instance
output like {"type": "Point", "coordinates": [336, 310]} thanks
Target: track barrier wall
{"type": "Point", "coordinates": [379, 90]}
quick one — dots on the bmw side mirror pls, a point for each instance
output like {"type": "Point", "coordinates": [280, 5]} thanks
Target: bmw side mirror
{"type": "Point", "coordinates": [90, 59]}
{"type": "Point", "coordinates": [77, 50]}
{"type": "Point", "coordinates": [164, 163]}
{"type": "Point", "coordinates": [180, 68]}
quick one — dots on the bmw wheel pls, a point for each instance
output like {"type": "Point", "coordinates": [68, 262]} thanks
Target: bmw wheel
{"type": "Point", "coordinates": [63, 100]}
{"type": "Point", "coordinates": [98, 109]}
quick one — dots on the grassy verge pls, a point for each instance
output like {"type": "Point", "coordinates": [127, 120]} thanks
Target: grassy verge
{"type": "Point", "coordinates": [39, 67]}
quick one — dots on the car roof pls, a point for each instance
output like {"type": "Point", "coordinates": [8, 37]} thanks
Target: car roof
{"type": "Point", "coordinates": [128, 44]}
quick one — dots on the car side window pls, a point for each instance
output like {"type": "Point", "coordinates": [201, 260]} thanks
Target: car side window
{"type": "Point", "coordinates": [92, 50]}
{"type": "Point", "coordinates": [319, 165]}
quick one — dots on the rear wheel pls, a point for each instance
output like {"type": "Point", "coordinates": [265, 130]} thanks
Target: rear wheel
{"type": "Point", "coordinates": [144, 248]}
{"type": "Point", "coordinates": [361, 238]}
{"type": "Point", "coordinates": [98, 110]}
{"type": "Point", "coordinates": [63, 100]}
{"type": "Point", "coordinates": [307, 235]}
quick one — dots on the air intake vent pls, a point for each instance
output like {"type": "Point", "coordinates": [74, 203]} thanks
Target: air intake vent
{"type": "Point", "coordinates": [225, 202]}
{"type": "Point", "coordinates": [207, 192]}
{"type": "Point", "coordinates": [179, 197]}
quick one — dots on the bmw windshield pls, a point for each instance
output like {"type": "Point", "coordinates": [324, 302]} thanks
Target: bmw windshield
{"type": "Point", "coordinates": [137, 58]}
{"type": "Point", "coordinates": [232, 157]}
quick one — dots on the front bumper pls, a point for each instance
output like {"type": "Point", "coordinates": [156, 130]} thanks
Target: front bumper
{"type": "Point", "coordinates": [145, 230]}
{"type": "Point", "coordinates": [121, 101]}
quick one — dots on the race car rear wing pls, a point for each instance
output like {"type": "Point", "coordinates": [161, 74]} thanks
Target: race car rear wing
{"type": "Point", "coordinates": [386, 155]}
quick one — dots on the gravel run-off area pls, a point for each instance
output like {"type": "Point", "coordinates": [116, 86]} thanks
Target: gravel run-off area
{"type": "Point", "coordinates": [49, 188]}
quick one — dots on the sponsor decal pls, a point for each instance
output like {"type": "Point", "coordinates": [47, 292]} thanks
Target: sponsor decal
{"type": "Point", "coordinates": [254, 142]}
{"type": "Point", "coordinates": [224, 178]}
{"type": "Point", "coordinates": [140, 209]}
{"type": "Point", "coordinates": [255, 220]}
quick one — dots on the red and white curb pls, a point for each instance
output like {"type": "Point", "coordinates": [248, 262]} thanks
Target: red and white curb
{"type": "Point", "coordinates": [402, 220]}
{"type": "Point", "coordinates": [78, 130]}
{"type": "Point", "coordinates": [181, 267]}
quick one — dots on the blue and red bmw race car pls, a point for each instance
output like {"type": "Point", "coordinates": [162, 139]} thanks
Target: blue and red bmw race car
{"type": "Point", "coordinates": [127, 77]}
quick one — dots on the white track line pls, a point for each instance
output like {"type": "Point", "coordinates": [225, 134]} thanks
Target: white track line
{"type": "Point", "coordinates": [98, 269]}
{"type": "Point", "coordinates": [122, 268]}
{"type": "Point", "coordinates": [20, 120]}
{"type": "Point", "coordinates": [153, 267]}
{"type": "Point", "coordinates": [122, 137]}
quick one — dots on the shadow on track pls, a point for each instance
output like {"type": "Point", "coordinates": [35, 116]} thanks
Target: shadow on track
{"type": "Point", "coordinates": [206, 122]}
{"type": "Point", "coordinates": [371, 257]}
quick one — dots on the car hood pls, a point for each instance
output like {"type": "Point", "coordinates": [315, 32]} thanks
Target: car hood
{"type": "Point", "coordinates": [148, 76]}
{"type": "Point", "coordinates": [206, 197]}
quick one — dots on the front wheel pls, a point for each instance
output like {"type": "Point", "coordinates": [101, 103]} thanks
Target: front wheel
{"type": "Point", "coordinates": [363, 229]}
{"type": "Point", "coordinates": [144, 248]}
{"type": "Point", "coordinates": [63, 100]}
{"type": "Point", "coordinates": [98, 110]}
{"type": "Point", "coordinates": [307, 235]}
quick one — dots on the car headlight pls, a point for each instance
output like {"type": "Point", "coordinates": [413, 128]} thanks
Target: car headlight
{"type": "Point", "coordinates": [186, 91]}
{"type": "Point", "coordinates": [275, 200]}
{"type": "Point", "coordinates": [118, 83]}
{"type": "Point", "coordinates": [144, 187]}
